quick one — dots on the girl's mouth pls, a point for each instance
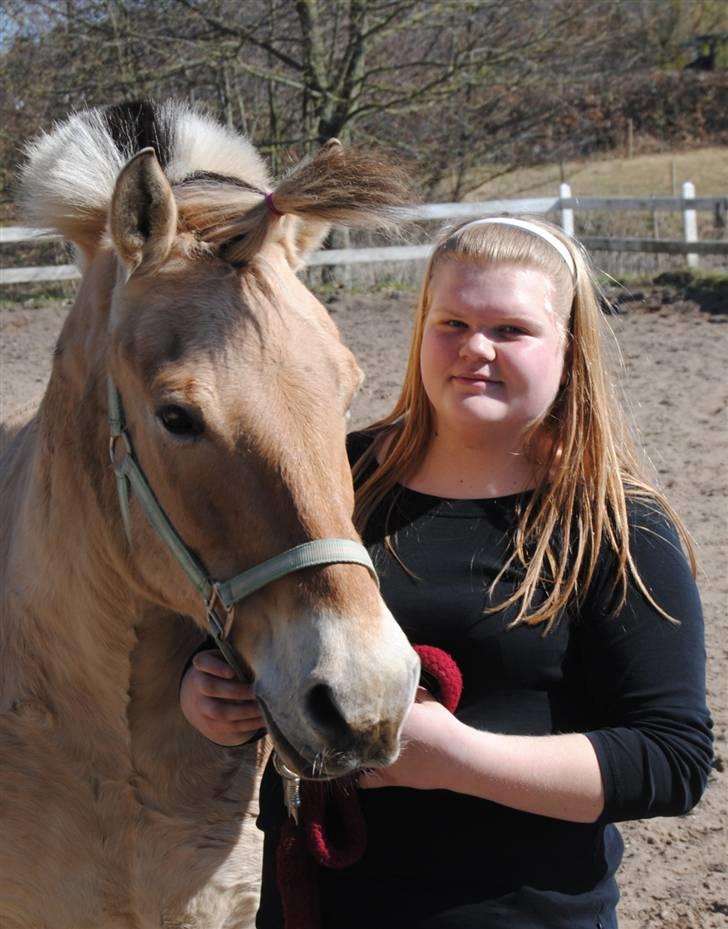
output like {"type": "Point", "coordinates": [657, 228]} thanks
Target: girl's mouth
{"type": "Point", "coordinates": [473, 379]}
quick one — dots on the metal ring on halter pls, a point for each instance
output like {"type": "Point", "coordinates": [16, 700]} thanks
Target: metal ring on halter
{"type": "Point", "coordinates": [283, 769]}
{"type": "Point", "coordinates": [112, 445]}
{"type": "Point", "coordinates": [214, 598]}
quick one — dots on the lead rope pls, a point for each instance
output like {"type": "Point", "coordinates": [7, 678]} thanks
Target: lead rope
{"type": "Point", "coordinates": [305, 842]}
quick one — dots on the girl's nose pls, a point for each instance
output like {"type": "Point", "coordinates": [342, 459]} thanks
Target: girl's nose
{"type": "Point", "coordinates": [478, 345]}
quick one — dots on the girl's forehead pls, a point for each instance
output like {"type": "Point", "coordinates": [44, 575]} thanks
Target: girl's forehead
{"type": "Point", "coordinates": [474, 285]}
{"type": "Point", "coordinates": [454, 267]}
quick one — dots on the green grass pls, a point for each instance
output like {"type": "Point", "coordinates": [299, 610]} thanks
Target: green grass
{"type": "Point", "coordinates": [704, 278]}
{"type": "Point", "coordinates": [683, 279]}
{"type": "Point", "coordinates": [13, 296]}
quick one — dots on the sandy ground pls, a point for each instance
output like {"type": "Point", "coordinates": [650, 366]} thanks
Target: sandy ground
{"type": "Point", "coordinates": [674, 374]}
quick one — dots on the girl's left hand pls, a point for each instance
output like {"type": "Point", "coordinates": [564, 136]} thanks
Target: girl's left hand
{"type": "Point", "coordinates": [428, 736]}
{"type": "Point", "coordinates": [548, 775]}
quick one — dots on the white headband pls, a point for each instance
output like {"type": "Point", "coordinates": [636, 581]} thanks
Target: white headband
{"type": "Point", "coordinates": [534, 230]}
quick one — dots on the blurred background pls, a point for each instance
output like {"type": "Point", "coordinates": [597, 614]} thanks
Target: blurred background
{"type": "Point", "coordinates": [481, 99]}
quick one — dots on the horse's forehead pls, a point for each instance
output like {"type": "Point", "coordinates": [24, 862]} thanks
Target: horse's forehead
{"type": "Point", "coordinates": [208, 311]}
{"type": "Point", "coordinates": [202, 296]}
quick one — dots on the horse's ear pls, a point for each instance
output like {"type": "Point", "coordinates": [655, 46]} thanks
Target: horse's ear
{"type": "Point", "coordinates": [309, 234]}
{"type": "Point", "coordinates": [143, 214]}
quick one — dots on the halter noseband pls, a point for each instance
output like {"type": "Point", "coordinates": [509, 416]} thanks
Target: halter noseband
{"type": "Point", "coordinates": [219, 597]}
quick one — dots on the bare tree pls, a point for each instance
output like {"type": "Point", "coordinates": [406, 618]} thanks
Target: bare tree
{"type": "Point", "coordinates": [462, 89]}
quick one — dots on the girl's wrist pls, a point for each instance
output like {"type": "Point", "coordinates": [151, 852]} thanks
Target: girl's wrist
{"type": "Point", "coordinates": [457, 770]}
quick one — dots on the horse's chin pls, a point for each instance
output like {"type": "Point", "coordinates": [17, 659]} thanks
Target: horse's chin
{"type": "Point", "coordinates": [321, 765]}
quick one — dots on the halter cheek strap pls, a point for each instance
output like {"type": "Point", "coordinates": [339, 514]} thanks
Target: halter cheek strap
{"type": "Point", "coordinates": [219, 597]}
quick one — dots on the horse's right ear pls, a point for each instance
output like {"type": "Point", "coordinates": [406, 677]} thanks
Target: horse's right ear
{"type": "Point", "coordinates": [143, 214]}
{"type": "Point", "coordinates": [309, 234]}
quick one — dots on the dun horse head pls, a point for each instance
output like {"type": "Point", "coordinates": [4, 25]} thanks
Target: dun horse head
{"type": "Point", "coordinates": [234, 388]}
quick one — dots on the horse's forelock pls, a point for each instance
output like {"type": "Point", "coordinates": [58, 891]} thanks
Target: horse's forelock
{"type": "Point", "coordinates": [219, 181]}
{"type": "Point", "coordinates": [70, 173]}
{"type": "Point", "coordinates": [212, 205]}
{"type": "Point", "coordinates": [334, 186]}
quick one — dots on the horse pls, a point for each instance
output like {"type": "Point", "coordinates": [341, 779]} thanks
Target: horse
{"type": "Point", "coordinates": [184, 475]}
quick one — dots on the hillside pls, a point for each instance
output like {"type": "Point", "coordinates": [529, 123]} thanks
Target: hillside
{"type": "Point", "coordinates": [644, 175]}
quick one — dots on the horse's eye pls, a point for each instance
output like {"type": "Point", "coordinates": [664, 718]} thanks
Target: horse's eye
{"type": "Point", "coordinates": [180, 422]}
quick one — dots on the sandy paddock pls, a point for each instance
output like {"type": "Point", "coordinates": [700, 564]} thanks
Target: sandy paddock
{"type": "Point", "coordinates": [674, 374]}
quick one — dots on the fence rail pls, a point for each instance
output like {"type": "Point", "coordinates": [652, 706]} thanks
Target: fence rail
{"type": "Point", "coordinates": [566, 204]}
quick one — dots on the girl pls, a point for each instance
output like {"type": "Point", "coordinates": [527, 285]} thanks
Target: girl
{"type": "Point", "coordinates": [509, 520]}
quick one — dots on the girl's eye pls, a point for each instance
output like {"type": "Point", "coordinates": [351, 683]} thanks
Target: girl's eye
{"type": "Point", "coordinates": [511, 330]}
{"type": "Point", "coordinates": [180, 422]}
{"type": "Point", "coordinates": [455, 323]}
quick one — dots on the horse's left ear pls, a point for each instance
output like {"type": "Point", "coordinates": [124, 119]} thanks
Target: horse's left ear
{"type": "Point", "coordinates": [143, 214]}
{"type": "Point", "coordinates": [309, 234]}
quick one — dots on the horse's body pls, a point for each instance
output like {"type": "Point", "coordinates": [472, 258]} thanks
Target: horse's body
{"type": "Point", "coordinates": [114, 813]}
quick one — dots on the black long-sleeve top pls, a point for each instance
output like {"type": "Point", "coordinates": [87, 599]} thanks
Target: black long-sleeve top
{"type": "Point", "coordinates": [629, 679]}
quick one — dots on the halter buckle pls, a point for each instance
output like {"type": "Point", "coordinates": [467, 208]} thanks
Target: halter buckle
{"type": "Point", "coordinates": [291, 788]}
{"type": "Point", "coordinates": [212, 602]}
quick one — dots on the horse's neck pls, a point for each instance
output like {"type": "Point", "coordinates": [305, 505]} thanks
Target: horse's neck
{"type": "Point", "coordinates": [170, 759]}
{"type": "Point", "coordinates": [84, 654]}
{"type": "Point", "coordinates": [66, 602]}
{"type": "Point", "coordinates": [68, 629]}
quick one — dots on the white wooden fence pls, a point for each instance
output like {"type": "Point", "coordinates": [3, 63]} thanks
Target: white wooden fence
{"type": "Point", "coordinates": [566, 204]}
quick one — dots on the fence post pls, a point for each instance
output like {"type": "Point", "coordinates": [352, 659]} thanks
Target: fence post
{"type": "Point", "coordinates": [567, 215]}
{"type": "Point", "coordinates": [690, 222]}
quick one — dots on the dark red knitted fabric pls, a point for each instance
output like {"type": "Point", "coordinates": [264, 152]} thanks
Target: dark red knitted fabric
{"type": "Point", "coordinates": [332, 821]}
{"type": "Point", "coordinates": [297, 876]}
{"type": "Point", "coordinates": [442, 667]}
{"type": "Point", "coordinates": [331, 808]}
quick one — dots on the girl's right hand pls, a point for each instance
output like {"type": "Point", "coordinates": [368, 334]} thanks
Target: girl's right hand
{"type": "Point", "coordinates": [216, 703]}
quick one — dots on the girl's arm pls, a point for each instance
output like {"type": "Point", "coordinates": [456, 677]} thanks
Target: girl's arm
{"type": "Point", "coordinates": [648, 748]}
{"type": "Point", "coordinates": [555, 776]}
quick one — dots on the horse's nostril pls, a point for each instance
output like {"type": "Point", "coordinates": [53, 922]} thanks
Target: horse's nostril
{"type": "Point", "coordinates": [324, 713]}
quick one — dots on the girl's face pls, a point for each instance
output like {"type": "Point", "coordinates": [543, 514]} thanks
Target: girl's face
{"type": "Point", "coordinates": [492, 355]}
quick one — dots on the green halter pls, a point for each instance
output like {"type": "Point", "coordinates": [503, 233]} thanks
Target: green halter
{"type": "Point", "coordinates": [217, 595]}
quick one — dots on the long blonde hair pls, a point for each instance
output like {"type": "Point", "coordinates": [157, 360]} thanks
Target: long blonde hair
{"type": "Point", "coordinates": [588, 468]}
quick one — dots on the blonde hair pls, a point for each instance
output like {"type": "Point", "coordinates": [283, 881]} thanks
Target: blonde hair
{"type": "Point", "coordinates": [588, 468]}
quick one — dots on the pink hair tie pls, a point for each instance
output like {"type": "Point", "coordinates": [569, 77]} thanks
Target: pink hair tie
{"type": "Point", "coordinates": [271, 206]}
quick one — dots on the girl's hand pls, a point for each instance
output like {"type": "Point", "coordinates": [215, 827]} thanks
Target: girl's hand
{"type": "Point", "coordinates": [216, 703]}
{"type": "Point", "coordinates": [427, 736]}
{"type": "Point", "coordinates": [549, 775]}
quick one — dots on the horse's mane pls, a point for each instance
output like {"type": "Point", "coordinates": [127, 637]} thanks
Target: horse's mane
{"type": "Point", "coordinates": [218, 179]}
